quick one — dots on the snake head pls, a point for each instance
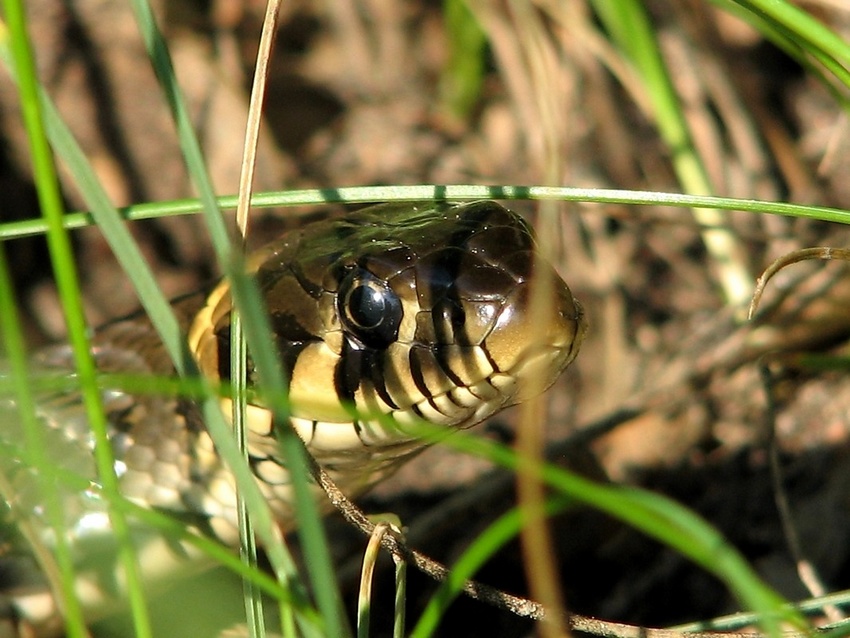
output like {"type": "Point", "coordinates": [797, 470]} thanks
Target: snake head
{"type": "Point", "coordinates": [446, 313]}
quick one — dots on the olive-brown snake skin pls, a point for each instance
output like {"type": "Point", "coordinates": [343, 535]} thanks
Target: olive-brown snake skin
{"type": "Point", "coordinates": [418, 311]}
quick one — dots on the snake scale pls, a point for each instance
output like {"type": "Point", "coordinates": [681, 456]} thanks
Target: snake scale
{"type": "Point", "coordinates": [416, 311]}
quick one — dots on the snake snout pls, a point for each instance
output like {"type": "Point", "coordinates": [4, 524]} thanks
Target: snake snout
{"type": "Point", "coordinates": [537, 333]}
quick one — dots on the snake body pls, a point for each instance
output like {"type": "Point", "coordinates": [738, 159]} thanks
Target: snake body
{"type": "Point", "coordinates": [413, 311]}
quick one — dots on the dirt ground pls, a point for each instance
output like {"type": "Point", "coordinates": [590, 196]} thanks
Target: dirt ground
{"type": "Point", "coordinates": [668, 381]}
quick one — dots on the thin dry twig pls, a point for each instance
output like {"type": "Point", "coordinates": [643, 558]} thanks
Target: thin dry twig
{"type": "Point", "coordinates": [247, 545]}
{"type": "Point", "coordinates": [825, 253]}
{"type": "Point", "coordinates": [806, 570]}
{"type": "Point", "coordinates": [517, 605]}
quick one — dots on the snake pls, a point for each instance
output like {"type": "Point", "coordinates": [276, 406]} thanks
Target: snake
{"type": "Point", "coordinates": [392, 314]}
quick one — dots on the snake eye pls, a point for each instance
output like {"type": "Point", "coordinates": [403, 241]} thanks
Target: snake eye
{"type": "Point", "coordinates": [369, 308]}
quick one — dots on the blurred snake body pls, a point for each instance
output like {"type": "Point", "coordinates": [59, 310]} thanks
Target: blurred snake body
{"type": "Point", "coordinates": [407, 311]}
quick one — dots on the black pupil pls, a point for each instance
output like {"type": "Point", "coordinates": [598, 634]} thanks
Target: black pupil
{"type": "Point", "coordinates": [366, 306]}
{"type": "Point", "coordinates": [369, 310]}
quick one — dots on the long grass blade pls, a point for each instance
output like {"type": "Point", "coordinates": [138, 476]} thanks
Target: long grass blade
{"type": "Point", "coordinates": [450, 192]}
{"type": "Point", "coordinates": [810, 35]}
{"type": "Point", "coordinates": [34, 445]}
{"type": "Point", "coordinates": [50, 200]}
{"type": "Point", "coordinates": [221, 240]}
{"type": "Point", "coordinates": [498, 533]}
{"type": "Point", "coordinates": [654, 515]}
{"type": "Point", "coordinates": [189, 145]}
{"type": "Point", "coordinates": [310, 530]}
{"type": "Point", "coordinates": [629, 26]}
{"type": "Point", "coordinates": [239, 353]}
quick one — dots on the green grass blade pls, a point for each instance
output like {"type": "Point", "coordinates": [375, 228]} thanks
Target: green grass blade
{"type": "Point", "coordinates": [737, 622]}
{"type": "Point", "coordinates": [320, 567]}
{"type": "Point", "coordinates": [61, 255]}
{"type": "Point", "coordinates": [33, 443]}
{"type": "Point", "coordinates": [463, 75]}
{"type": "Point", "coordinates": [247, 545]}
{"type": "Point", "coordinates": [629, 26]}
{"type": "Point", "coordinates": [810, 34]}
{"type": "Point", "coordinates": [126, 250]}
{"type": "Point", "coordinates": [118, 236]}
{"type": "Point", "coordinates": [450, 192]}
{"type": "Point", "coordinates": [498, 533]}
{"type": "Point", "coordinates": [261, 516]}
{"type": "Point", "coordinates": [190, 147]}
{"type": "Point", "coordinates": [654, 515]}
{"type": "Point", "coordinates": [820, 51]}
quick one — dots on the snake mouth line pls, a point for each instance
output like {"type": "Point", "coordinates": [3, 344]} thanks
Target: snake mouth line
{"type": "Point", "coordinates": [458, 408]}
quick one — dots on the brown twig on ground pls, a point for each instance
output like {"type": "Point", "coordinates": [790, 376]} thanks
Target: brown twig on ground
{"type": "Point", "coordinates": [517, 605]}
